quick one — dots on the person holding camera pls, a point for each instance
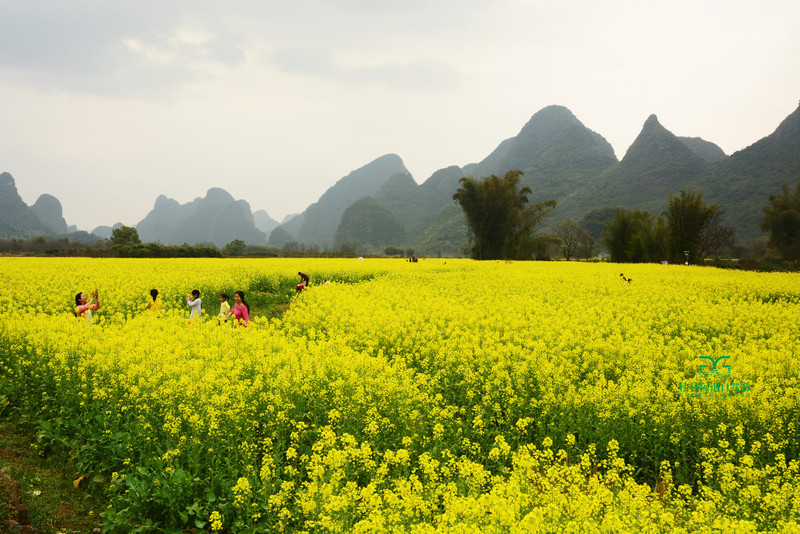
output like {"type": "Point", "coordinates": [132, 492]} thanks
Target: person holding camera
{"type": "Point", "coordinates": [84, 307]}
{"type": "Point", "coordinates": [194, 303]}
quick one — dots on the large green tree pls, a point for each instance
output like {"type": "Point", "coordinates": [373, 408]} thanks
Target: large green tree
{"type": "Point", "coordinates": [125, 235]}
{"type": "Point", "coordinates": [695, 228]}
{"type": "Point", "coordinates": [630, 237]}
{"type": "Point", "coordinates": [237, 247]}
{"type": "Point", "coordinates": [782, 221]}
{"type": "Point", "coordinates": [502, 224]}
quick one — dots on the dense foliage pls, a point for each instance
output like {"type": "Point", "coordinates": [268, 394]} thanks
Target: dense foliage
{"type": "Point", "coordinates": [694, 228]}
{"type": "Point", "coordinates": [63, 246]}
{"type": "Point", "coordinates": [689, 230]}
{"type": "Point", "coordinates": [124, 236]}
{"type": "Point", "coordinates": [501, 222]}
{"type": "Point", "coordinates": [629, 237]}
{"type": "Point", "coordinates": [782, 221]}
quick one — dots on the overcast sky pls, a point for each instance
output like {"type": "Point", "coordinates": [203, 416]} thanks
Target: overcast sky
{"type": "Point", "coordinates": [108, 104]}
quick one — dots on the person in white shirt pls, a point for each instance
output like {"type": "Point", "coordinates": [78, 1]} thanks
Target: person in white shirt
{"type": "Point", "coordinates": [194, 303]}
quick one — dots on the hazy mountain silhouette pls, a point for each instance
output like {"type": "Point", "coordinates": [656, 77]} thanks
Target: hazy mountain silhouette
{"type": "Point", "coordinates": [560, 157]}
{"type": "Point", "coordinates": [543, 128]}
{"type": "Point", "coordinates": [705, 149]}
{"type": "Point", "coordinates": [655, 165]}
{"type": "Point", "coordinates": [370, 224]}
{"type": "Point", "coordinates": [280, 237]}
{"type": "Point", "coordinates": [264, 222]}
{"type": "Point", "coordinates": [563, 159]}
{"type": "Point", "coordinates": [492, 163]}
{"type": "Point", "coordinates": [399, 212]}
{"type": "Point", "coordinates": [415, 206]}
{"type": "Point", "coordinates": [554, 148]}
{"type": "Point", "coordinates": [659, 163]}
{"type": "Point", "coordinates": [48, 208]}
{"type": "Point", "coordinates": [572, 160]}
{"type": "Point", "coordinates": [744, 181]}
{"type": "Point", "coordinates": [291, 225]}
{"type": "Point", "coordinates": [216, 218]}
{"type": "Point", "coordinates": [17, 219]}
{"type": "Point", "coordinates": [44, 218]}
{"type": "Point", "coordinates": [447, 235]}
{"type": "Point", "coordinates": [321, 219]}
{"type": "Point", "coordinates": [105, 231]}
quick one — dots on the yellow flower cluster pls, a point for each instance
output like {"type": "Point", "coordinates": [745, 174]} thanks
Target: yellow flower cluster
{"type": "Point", "coordinates": [216, 521]}
{"type": "Point", "coordinates": [427, 397]}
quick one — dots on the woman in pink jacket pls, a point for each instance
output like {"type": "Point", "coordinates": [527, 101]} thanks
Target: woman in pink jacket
{"type": "Point", "coordinates": [84, 308]}
{"type": "Point", "coordinates": [241, 311]}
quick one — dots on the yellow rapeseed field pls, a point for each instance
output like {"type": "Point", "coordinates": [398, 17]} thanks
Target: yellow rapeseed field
{"type": "Point", "coordinates": [439, 396]}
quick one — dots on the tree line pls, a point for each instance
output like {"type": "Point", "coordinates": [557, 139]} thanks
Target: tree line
{"type": "Point", "coordinates": [503, 224]}
{"type": "Point", "coordinates": [689, 231]}
{"type": "Point", "coordinates": [126, 243]}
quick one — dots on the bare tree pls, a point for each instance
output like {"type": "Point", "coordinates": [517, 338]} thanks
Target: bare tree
{"type": "Point", "coordinates": [571, 238]}
{"type": "Point", "coordinates": [716, 238]}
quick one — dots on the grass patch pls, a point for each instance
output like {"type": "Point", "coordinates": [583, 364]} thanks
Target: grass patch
{"type": "Point", "coordinates": [39, 491]}
{"type": "Point", "coordinates": [262, 303]}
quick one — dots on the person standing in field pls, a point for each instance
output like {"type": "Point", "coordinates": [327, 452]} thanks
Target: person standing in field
{"type": "Point", "coordinates": [241, 311]}
{"type": "Point", "coordinates": [155, 306]}
{"type": "Point", "coordinates": [224, 308]}
{"type": "Point", "coordinates": [194, 303]}
{"type": "Point", "coordinates": [84, 308]}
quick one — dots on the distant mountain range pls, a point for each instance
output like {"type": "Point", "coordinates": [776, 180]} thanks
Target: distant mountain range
{"type": "Point", "coordinates": [44, 218]}
{"type": "Point", "coordinates": [659, 163]}
{"type": "Point", "coordinates": [564, 160]}
{"type": "Point", "coordinates": [380, 204]}
{"type": "Point", "coordinates": [216, 218]}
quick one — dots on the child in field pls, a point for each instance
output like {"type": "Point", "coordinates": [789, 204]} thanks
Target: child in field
{"type": "Point", "coordinates": [83, 309]}
{"type": "Point", "coordinates": [155, 306]}
{"type": "Point", "coordinates": [224, 308]}
{"type": "Point", "coordinates": [194, 303]}
{"type": "Point", "coordinates": [241, 311]}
